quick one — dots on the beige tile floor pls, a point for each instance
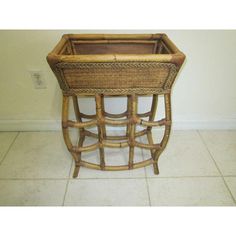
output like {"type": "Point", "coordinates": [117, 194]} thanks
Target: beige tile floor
{"type": "Point", "coordinates": [198, 168]}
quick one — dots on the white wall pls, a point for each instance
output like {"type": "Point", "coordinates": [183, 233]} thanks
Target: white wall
{"type": "Point", "coordinates": [204, 95]}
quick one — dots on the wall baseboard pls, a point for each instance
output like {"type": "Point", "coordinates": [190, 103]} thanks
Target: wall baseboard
{"type": "Point", "coordinates": [44, 125]}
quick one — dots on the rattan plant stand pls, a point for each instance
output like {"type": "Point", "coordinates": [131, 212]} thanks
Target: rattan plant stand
{"type": "Point", "coordinates": [103, 65]}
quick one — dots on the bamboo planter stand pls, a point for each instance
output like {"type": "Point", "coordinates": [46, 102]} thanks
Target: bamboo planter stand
{"type": "Point", "coordinates": [115, 65]}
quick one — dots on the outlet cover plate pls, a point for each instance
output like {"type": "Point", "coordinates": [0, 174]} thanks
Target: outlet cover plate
{"type": "Point", "coordinates": [38, 79]}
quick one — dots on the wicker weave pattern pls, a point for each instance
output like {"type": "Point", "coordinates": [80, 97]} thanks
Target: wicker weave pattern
{"type": "Point", "coordinates": [116, 91]}
{"type": "Point", "coordinates": [117, 75]}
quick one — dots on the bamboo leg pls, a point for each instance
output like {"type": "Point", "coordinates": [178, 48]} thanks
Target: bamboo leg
{"type": "Point", "coordinates": [153, 109]}
{"type": "Point", "coordinates": [128, 114]}
{"type": "Point", "coordinates": [81, 134]}
{"type": "Point", "coordinates": [100, 118]}
{"type": "Point", "coordinates": [65, 108]}
{"type": "Point", "coordinates": [167, 127]}
{"type": "Point", "coordinates": [77, 111]}
{"type": "Point", "coordinates": [155, 164]}
{"type": "Point", "coordinates": [77, 165]}
{"type": "Point", "coordinates": [76, 108]}
{"type": "Point", "coordinates": [132, 130]}
{"type": "Point", "coordinates": [149, 133]}
{"type": "Point", "coordinates": [103, 114]}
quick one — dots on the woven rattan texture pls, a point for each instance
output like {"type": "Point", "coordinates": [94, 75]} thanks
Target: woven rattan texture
{"type": "Point", "coordinates": [117, 75]}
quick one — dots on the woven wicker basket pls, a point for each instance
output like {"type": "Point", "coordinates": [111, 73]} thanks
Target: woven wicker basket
{"type": "Point", "coordinates": [115, 65]}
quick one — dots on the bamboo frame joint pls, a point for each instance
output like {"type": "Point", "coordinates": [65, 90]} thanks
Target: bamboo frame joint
{"type": "Point", "coordinates": [64, 124]}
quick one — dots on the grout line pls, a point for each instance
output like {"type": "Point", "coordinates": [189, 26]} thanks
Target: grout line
{"type": "Point", "coordinates": [67, 184]}
{"type": "Point", "coordinates": [68, 180]}
{"type": "Point", "coordinates": [149, 198]}
{"type": "Point", "coordinates": [32, 179]}
{"type": "Point", "coordinates": [145, 172]}
{"type": "Point", "coordinates": [187, 176]}
{"type": "Point", "coordinates": [229, 175]}
{"type": "Point", "coordinates": [5, 155]}
{"type": "Point", "coordinates": [80, 178]}
{"type": "Point", "coordinates": [234, 200]}
{"type": "Point", "coordinates": [229, 189]}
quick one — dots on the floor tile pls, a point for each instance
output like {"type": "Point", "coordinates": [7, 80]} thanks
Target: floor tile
{"type": "Point", "coordinates": [196, 191]}
{"type": "Point", "coordinates": [113, 156]}
{"type": "Point", "coordinates": [107, 192]}
{"type": "Point", "coordinates": [222, 146]}
{"type": "Point", "coordinates": [37, 155]}
{"type": "Point", "coordinates": [185, 155]}
{"type": "Point", "coordinates": [6, 139]}
{"type": "Point", "coordinates": [231, 182]}
{"type": "Point", "coordinates": [32, 192]}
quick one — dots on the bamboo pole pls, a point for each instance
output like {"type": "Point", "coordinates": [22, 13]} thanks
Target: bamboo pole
{"type": "Point", "coordinates": [77, 165]}
{"type": "Point", "coordinates": [100, 118]}
{"type": "Point", "coordinates": [81, 134]}
{"type": "Point", "coordinates": [88, 148]}
{"type": "Point", "coordinates": [121, 137]}
{"type": "Point", "coordinates": [117, 168]}
{"type": "Point", "coordinates": [149, 128]}
{"type": "Point", "coordinates": [132, 130]}
{"type": "Point", "coordinates": [167, 127]}
{"type": "Point", "coordinates": [110, 115]}
{"type": "Point", "coordinates": [120, 115]}
{"type": "Point", "coordinates": [78, 116]}
{"type": "Point", "coordinates": [128, 114]}
{"type": "Point", "coordinates": [155, 164]}
{"type": "Point", "coordinates": [152, 123]}
{"type": "Point", "coordinates": [147, 146]}
{"type": "Point", "coordinates": [90, 123]}
{"type": "Point", "coordinates": [76, 157]}
{"type": "Point", "coordinates": [153, 108]}
{"type": "Point", "coordinates": [116, 122]}
{"type": "Point", "coordinates": [86, 116]}
{"type": "Point", "coordinates": [115, 145]}
{"type": "Point", "coordinates": [103, 114]}
{"type": "Point", "coordinates": [113, 122]}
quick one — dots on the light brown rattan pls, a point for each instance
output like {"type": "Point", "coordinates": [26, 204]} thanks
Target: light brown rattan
{"type": "Point", "coordinates": [115, 65]}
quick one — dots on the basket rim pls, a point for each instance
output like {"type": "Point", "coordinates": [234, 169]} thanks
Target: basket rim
{"type": "Point", "coordinates": [177, 57]}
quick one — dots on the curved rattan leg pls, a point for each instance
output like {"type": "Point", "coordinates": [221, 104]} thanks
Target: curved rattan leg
{"type": "Point", "coordinates": [155, 164]}
{"type": "Point", "coordinates": [76, 155]}
{"type": "Point", "coordinates": [156, 153]}
{"type": "Point", "coordinates": [165, 138]}
{"type": "Point", "coordinates": [81, 134]}
{"type": "Point", "coordinates": [149, 129]}
{"type": "Point", "coordinates": [77, 164]}
{"type": "Point", "coordinates": [77, 112]}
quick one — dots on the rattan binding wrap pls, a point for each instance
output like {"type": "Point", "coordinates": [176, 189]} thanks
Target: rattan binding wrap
{"type": "Point", "coordinates": [102, 65]}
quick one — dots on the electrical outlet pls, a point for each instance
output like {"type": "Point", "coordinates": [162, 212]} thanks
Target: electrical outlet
{"type": "Point", "coordinates": [38, 79]}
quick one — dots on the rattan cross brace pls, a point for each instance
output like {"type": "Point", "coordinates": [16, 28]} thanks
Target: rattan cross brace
{"type": "Point", "coordinates": [102, 118]}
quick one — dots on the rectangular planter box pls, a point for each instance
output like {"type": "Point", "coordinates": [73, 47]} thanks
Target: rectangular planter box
{"type": "Point", "coordinates": [115, 63]}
